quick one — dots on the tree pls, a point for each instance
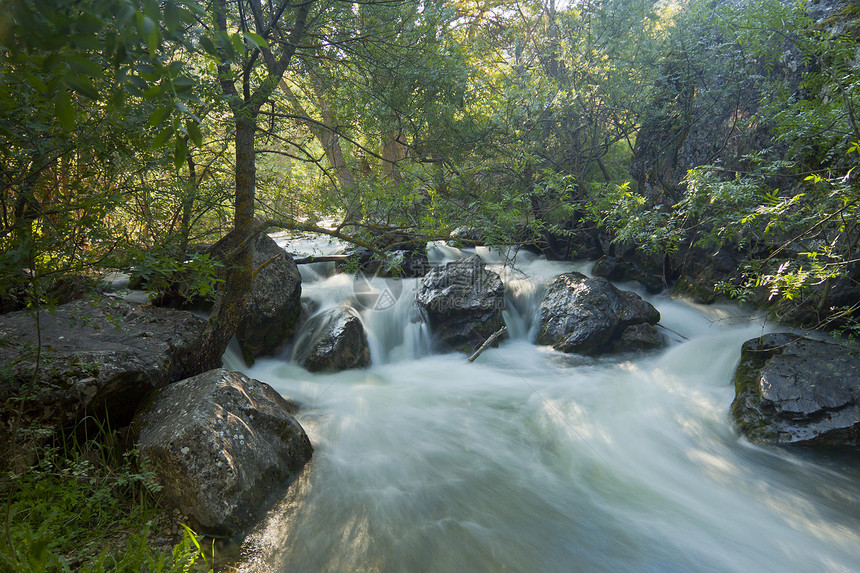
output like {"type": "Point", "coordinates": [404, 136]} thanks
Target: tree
{"type": "Point", "coordinates": [74, 103]}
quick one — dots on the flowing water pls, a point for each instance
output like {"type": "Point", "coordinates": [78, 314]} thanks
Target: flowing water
{"type": "Point", "coordinates": [530, 460]}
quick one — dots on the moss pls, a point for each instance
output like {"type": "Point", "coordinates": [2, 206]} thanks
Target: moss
{"type": "Point", "coordinates": [748, 414]}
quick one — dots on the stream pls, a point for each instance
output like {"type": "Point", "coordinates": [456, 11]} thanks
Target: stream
{"type": "Point", "coordinates": [530, 460]}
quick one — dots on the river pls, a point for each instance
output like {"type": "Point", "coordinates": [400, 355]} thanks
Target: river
{"type": "Point", "coordinates": [529, 460]}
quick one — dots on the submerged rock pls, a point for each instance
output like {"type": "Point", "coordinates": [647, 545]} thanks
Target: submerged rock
{"type": "Point", "coordinates": [463, 303]}
{"type": "Point", "coordinates": [273, 306]}
{"type": "Point", "coordinates": [333, 340]}
{"type": "Point", "coordinates": [797, 391]}
{"type": "Point", "coordinates": [589, 315]}
{"type": "Point", "coordinates": [99, 359]}
{"type": "Point", "coordinates": [223, 447]}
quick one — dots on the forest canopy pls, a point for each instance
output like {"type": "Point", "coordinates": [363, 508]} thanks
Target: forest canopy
{"type": "Point", "coordinates": [132, 132]}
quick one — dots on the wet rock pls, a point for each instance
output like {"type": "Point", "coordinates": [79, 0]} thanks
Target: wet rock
{"type": "Point", "coordinates": [638, 338]}
{"type": "Point", "coordinates": [588, 316]}
{"type": "Point", "coordinates": [99, 359]}
{"type": "Point", "coordinates": [797, 391]}
{"type": "Point", "coordinates": [273, 306]}
{"type": "Point", "coordinates": [698, 273]}
{"type": "Point", "coordinates": [223, 447]}
{"type": "Point", "coordinates": [463, 303]}
{"type": "Point", "coordinates": [333, 340]}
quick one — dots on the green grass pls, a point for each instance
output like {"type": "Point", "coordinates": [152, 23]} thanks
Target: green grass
{"type": "Point", "coordinates": [89, 506]}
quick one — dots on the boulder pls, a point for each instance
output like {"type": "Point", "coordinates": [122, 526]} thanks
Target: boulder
{"type": "Point", "coordinates": [223, 447]}
{"type": "Point", "coordinates": [99, 359]}
{"type": "Point", "coordinates": [797, 391]}
{"type": "Point", "coordinates": [332, 340]}
{"type": "Point", "coordinates": [273, 306]}
{"type": "Point", "coordinates": [589, 315]}
{"type": "Point", "coordinates": [463, 303]}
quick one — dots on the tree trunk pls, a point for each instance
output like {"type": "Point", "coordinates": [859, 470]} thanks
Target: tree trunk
{"type": "Point", "coordinates": [230, 302]}
{"type": "Point", "coordinates": [324, 131]}
{"type": "Point", "coordinates": [392, 152]}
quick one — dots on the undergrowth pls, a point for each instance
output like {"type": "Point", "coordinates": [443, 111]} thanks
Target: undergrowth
{"type": "Point", "coordinates": [89, 505]}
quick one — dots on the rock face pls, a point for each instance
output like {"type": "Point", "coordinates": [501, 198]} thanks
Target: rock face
{"type": "Point", "coordinates": [222, 445]}
{"type": "Point", "coordinates": [463, 303]}
{"type": "Point", "coordinates": [273, 306]}
{"type": "Point", "coordinates": [99, 358]}
{"type": "Point", "coordinates": [797, 391]}
{"type": "Point", "coordinates": [333, 340]}
{"type": "Point", "coordinates": [588, 316]}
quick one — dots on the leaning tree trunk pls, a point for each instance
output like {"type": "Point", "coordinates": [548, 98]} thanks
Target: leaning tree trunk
{"type": "Point", "coordinates": [230, 302]}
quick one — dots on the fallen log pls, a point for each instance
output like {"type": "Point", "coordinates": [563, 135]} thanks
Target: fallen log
{"type": "Point", "coordinates": [320, 259]}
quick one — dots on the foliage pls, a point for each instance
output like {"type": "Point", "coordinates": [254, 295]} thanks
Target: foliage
{"type": "Point", "coordinates": [790, 208]}
{"type": "Point", "coordinates": [90, 507]}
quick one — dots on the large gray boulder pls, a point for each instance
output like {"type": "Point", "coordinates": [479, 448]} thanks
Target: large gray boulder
{"type": "Point", "coordinates": [273, 307]}
{"type": "Point", "coordinates": [796, 391]}
{"type": "Point", "coordinates": [223, 447]}
{"type": "Point", "coordinates": [463, 303]}
{"type": "Point", "coordinates": [99, 359]}
{"type": "Point", "coordinates": [332, 340]}
{"type": "Point", "coordinates": [589, 315]}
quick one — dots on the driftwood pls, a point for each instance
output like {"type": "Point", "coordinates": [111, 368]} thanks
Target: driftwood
{"type": "Point", "coordinates": [487, 343]}
{"type": "Point", "coordinates": [675, 332]}
{"type": "Point", "coordinates": [320, 259]}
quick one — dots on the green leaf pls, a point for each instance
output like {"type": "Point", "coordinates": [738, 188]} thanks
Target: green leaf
{"type": "Point", "coordinates": [64, 109]}
{"type": "Point", "coordinates": [37, 83]}
{"type": "Point", "coordinates": [180, 152]}
{"type": "Point", "coordinates": [236, 39]}
{"type": "Point", "coordinates": [138, 82]}
{"type": "Point", "coordinates": [152, 42]}
{"type": "Point", "coordinates": [257, 40]}
{"type": "Point", "coordinates": [84, 65]}
{"type": "Point", "coordinates": [148, 72]}
{"type": "Point", "coordinates": [83, 85]}
{"type": "Point", "coordinates": [183, 82]}
{"type": "Point", "coordinates": [208, 46]}
{"type": "Point", "coordinates": [147, 25]}
{"type": "Point", "coordinates": [153, 91]}
{"type": "Point", "coordinates": [162, 136]}
{"type": "Point", "coordinates": [193, 129]}
{"type": "Point", "coordinates": [158, 116]}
